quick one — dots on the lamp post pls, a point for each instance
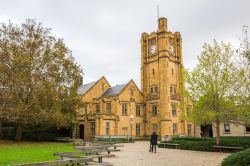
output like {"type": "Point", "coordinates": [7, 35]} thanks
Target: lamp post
{"type": "Point", "coordinates": [131, 121]}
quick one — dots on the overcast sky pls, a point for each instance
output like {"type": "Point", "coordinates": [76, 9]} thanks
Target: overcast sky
{"type": "Point", "coordinates": [104, 35]}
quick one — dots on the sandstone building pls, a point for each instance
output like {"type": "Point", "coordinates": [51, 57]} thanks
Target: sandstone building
{"type": "Point", "coordinates": [127, 110]}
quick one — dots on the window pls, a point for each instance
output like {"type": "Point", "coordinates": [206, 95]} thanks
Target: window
{"type": "Point", "coordinates": [151, 41]}
{"type": "Point", "coordinates": [174, 112]}
{"type": "Point", "coordinates": [108, 108]}
{"type": "Point", "coordinates": [172, 71]}
{"type": "Point", "coordinates": [85, 109]}
{"type": "Point", "coordinates": [132, 92]}
{"type": "Point", "coordinates": [97, 108]}
{"type": "Point", "coordinates": [152, 89]}
{"type": "Point", "coordinates": [248, 129]}
{"type": "Point", "coordinates": [154, 109]}
{"type": "Point", "coordinates": [154, 127]}
{"type": "Point", "coordinates": [138, 129]}
{"type": "Point", "coordinates": [172, 89]}
{"type": "Point", "coordinates": [153, 71]}
{"type": "Point", "coordinates": [174, 128]}
{"type": "Point", "coordinates": [189, 129]}
{"type": "Point", "coordinates": [103, 86]}
{"type": "Point", "coordinates": [107, 128]}
{"type": "Point", "coordinates": [124, 109]}
{"type": "Point", "coordinates": [92, 128]}
{"type": "Point", "coordinates": [138, 110]}
{"type": "Point", "coordinates": [156, 89]}
{"type": "Point", "coordinates": [226, 127]}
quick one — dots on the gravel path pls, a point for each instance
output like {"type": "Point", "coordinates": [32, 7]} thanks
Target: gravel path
{"type": "Point", "coordinates": [137, 154]}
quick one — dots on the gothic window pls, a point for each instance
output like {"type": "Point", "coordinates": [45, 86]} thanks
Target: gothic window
{"type": "Point", "coordinates": [132, 92]}
{"type": "Point", "coordinates": [138, 129]}
{"type": "Point", "coordinates": [103, 86]}
{"type": "Point", "coordinates": [174, 128]}
{"type": "Point", "coordinates": [172, 71]}
{"type": "Point", "coordinates": [172, 89]}
{"type": "Point", "coordinates": [97, 108]}
{"type": "Point", "coordinates": [138, 110]}
{"type": "Point", "coordinates": [92, 128]}
{"type": "Point", "coordinates": [108, 108]}
{"type": "Point", "coordinates": [226, 127]}
{"type": "Point", "coordinates": [174, 112]}
{"type": "Point", "coordinates": [124, 109]}
{"type": "Point", "coordinates": [107, 128]}
{"type": "Point", "coordinates": [152, 89]}
{"type": "Point", "coordinates": [153, 71]}
{"type": "Point", "coordinates": [189, 129]}
{"type": "Point", "coordinates": [154, 110]}
{"type": "Point", "coordinates": [151, 41]}
{"type": "Point", "coordinates": [156, 89]}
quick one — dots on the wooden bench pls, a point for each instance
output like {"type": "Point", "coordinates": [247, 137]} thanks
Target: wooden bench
{"type": "Point", "coordinates": [89, 150]}
{"type": "Point", "coordinates": [228, 148]}
{"type": "Point", "coordinates": [77, 155]}
{"type": "Point", "coordinates": [58, 162]}
{"type": "Point", "coordinates": [165, 145]}
{"type": "Point", "coordinates": [115, 146]}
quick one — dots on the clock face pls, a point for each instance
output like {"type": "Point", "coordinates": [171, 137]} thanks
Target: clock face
{"type": "Point", "coordinates": [171, 49]}
{"type": "Point", "coordinates": [153, 49]}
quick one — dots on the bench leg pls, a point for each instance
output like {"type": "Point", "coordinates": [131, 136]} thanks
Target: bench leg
{"type": "Point", "coordinates": [99, 159]}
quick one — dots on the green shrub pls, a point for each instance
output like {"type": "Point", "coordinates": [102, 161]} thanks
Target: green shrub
{"type": "Point", "coordinates": [238, 159]}
{"type": "Point", "coordinates": [206, 143]}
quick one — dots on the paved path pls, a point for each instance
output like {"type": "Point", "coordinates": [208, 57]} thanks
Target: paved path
{"type": "Point", "coordinates": [137, 154]}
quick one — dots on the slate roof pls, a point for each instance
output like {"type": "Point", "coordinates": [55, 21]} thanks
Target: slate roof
{"type": "Point", "coordinates": [115, 90]}
{"type": "Point", "coordinates": [84, 88]}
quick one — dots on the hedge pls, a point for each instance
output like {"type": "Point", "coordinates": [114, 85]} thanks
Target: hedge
{"type": "Point", "coordinates": [206, 144]}
{"type": "Point", "coordinates": [241, 158]}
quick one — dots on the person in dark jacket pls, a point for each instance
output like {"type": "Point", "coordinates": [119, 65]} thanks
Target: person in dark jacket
{"type": "Point", "coordinates": [153, 142]}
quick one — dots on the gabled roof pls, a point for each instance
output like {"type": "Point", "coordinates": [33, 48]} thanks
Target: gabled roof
{"type": "Point", "coordinates": [84, 88]}
{"type": "Point", "coordinates": [115, 90]}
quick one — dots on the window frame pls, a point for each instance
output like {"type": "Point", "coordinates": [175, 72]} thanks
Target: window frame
{"type": "Point", "coordinates": [138, 110]}
{"type": "Point", "coordinates": [175, 128]}
{"type": "Point", "coordinates": [138, 129]}
{"type": "Point", "coordinates": [124, 109]}
{"type": "Point", "coordinates": [109, 108]}
{"type": "Point", "coordinates": [173, 110]}
{"type": "Point", "coordinates": [107, 128]}
{"type": "Point", "coordinates": [154, 110]}
{"type": "Point", "coordinates": [97, 108]}
{"type": "Point", "coordinates": [92, 128]}
{"type": "Point", "coordinates": [227, 130]}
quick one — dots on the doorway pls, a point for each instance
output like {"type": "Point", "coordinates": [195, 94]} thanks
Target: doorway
{"type": "Point", "coordinates": [206, 131]}
{"type": "Point", "coordinates": [81, 130]}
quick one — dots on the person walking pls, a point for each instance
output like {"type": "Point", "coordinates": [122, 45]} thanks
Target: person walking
{"type": "Point", "coordinates": [153, 142]}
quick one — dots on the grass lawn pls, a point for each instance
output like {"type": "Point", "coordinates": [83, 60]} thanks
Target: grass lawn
{"type": "Point", "coordinates": [28, 152]}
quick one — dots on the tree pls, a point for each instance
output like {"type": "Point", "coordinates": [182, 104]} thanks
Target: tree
{"type": "Point", "coordinates": [243, 86]}
{"type": "Point", "coordinates": [210, 85]}
{"type": "Point", "coordinates": [38, 76]}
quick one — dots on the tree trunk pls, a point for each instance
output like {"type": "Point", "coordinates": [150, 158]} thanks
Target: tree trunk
{"type": "Point", "coordinates": [1, 128]}
{"type": "Point", "coordinates": [19, 132]}
{"type": "Point", "coordinates": [217, 132]}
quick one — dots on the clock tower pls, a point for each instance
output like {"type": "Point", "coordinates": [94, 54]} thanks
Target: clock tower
{"type": "Point", "coordinates": [161, 80]}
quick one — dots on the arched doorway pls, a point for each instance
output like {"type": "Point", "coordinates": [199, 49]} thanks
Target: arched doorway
{"type": "Point", "coordinates": [81, 130]}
